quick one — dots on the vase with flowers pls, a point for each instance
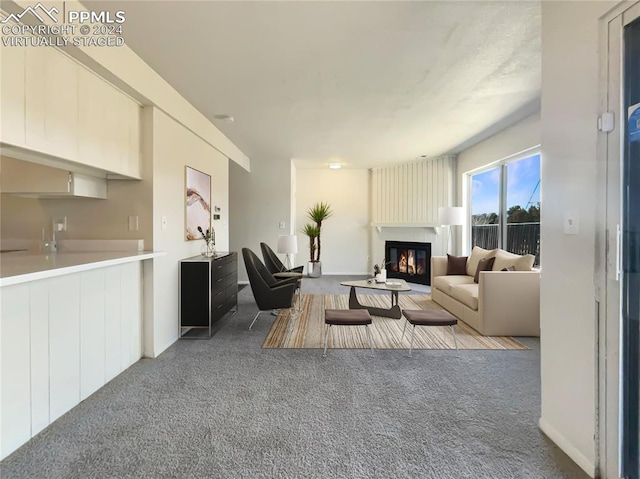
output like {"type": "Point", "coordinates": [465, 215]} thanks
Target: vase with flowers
{"type": "Point", "coordinates": [380, 271]}
{"type": "Point", "coordinates": [209, 247]}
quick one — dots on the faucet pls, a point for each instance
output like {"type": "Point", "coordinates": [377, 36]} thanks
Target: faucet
{"type": "Point", "coordinates": [53, 246]}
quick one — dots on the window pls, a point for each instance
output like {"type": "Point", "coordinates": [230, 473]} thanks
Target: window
{"type": "Point", "coordinates": [505, 206]}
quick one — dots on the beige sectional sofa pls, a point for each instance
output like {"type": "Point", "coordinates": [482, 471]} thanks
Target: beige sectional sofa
{"type": "Point", "coordinates": [502, 303]}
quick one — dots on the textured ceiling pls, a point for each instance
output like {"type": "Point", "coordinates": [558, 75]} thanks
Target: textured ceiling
{"type": "Point", "coordinates": [365, 83]}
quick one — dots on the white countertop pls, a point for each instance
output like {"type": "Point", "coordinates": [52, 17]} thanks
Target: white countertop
{"type": "Point", "coordinates": [23, 266]}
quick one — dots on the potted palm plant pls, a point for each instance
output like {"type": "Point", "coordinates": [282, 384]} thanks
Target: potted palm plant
{"type": "Point", "coordinates": [311, 231]}
{"type": "Point", "coordinates": [317, 213]}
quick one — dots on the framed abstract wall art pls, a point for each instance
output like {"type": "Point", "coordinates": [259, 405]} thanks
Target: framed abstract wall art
{"type": "Point", "coordinates": [198, 203]}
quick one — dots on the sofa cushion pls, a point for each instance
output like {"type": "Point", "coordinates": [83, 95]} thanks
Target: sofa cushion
{"type": "Point", "coordinates": [476, 255]}
{"type": "Point", "coordinates": [505, 259]}
{"type": "Point", "coordinates": [467, 294]}
{"type": "Point", "coordinates": [444, 283]}
{"type": "Point", "coordinates": [456, 265]}
{"type": "Point", "coordinates": [484, 264]}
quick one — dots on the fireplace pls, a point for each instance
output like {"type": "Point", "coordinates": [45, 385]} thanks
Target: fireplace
{"type": "Point", "coordinates": [409, 261]}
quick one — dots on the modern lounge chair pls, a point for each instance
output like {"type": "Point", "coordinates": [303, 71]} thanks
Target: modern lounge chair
{"type": "Point", "coordinates": [268, 293]}
{"type": "Point", "coordinates": [273, 263]}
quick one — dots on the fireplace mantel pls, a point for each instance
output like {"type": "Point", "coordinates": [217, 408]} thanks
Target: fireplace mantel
{"type": "Point", "coordinates": [434, 227]}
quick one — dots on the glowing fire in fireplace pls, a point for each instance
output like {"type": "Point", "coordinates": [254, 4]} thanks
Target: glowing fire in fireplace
{"type": "Point", "coordinates": [408, 260]}
{"type": "Point", "coordinates": [411, 262]}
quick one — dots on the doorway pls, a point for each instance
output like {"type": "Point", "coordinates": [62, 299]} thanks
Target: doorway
{"type": "Point", "coordinates": [630, 257]}
{"type": "Point", "coordinates": [618, 410]}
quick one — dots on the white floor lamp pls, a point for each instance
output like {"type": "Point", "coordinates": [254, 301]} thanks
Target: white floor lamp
{"type": "Point", "coordinates": [287, 244]}
{"type": "Point", "coordinates": [450, 216]}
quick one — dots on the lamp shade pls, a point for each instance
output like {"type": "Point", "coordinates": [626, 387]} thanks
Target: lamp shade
{"type": "Point", "coordinates": [450, 215]}
{"type": "Point", "coordinates": [288, 244]}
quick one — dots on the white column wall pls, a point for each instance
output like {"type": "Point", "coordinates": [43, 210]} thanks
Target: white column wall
{"type": "Point", "coordinates": [175, 147]}
{"type": "Point", "coordinates": [570, 92]}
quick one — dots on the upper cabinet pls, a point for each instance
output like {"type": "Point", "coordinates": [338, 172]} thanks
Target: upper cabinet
{"type": "Point", "coordinates": [109, 127]}
{"type": "Point", "coordinates": [51, 103]}
{"type": "Point", "coordinates": [12, 95]}
{"type": "Point", "coordinates": [25, 178]}
{"type": "Point", "coordinates": [91, 116]}
{"type": "Point", "coordinates": [55, 108]}
{"type": "Point", "coordinates": [36, 98]}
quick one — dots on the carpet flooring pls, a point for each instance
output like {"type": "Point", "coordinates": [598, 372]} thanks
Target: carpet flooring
{"type": "Point", "coordinates": [306, 328]}
{"type": "Point", "coordinates": [227, 408]}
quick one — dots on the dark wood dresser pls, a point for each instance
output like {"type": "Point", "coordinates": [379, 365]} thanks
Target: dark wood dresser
{"type": "Point", "coordinates": [208, 293]}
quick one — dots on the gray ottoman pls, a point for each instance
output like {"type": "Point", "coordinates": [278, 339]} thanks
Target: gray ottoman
{"type": "Point", "coordinates": [429, 317]}
{"type": "Point", "coordinates": [346, 317]}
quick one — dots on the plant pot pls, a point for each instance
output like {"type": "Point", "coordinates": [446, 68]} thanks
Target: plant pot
{"type": "Point", "coordinates": [314, 269]}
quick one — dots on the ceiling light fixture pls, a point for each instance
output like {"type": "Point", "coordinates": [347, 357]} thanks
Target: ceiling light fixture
{"type": "Point", "coordinates": [225, 118]}
{"type": "Point", "coordinates": [335, 166]}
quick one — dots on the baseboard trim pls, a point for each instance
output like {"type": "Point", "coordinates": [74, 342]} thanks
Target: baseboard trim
{"type": "Point", "coordinates": [159, 351]}
{"type": "Point", "coordinates": [562, 442]}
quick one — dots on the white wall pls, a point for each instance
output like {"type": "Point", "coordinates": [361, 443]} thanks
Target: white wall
{"type": "Point", "coordinates": [294, 188]}
{"type": "Point", "coordinates": [175, 147]}
{"type": "Point", "coordinates": [570, 91]}
{"type": "Point", "coordinates": [519, 137]}
{"type": "Point", "coordinates": [345, 235]}
{"type": "Point", "coordinates": [259, 202]}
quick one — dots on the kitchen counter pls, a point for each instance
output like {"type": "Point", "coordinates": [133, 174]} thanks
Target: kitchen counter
{"type": "Point", "coordinates": [22, 266]}
{"type": "Point", "coordinates": [70, 322]}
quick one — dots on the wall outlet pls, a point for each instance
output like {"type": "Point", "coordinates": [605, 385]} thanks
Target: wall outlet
{"type": "Point", "coordinates": [282, 225]}
{"type": "Point", "coordinates": [60, 224]}
{"type": "Point", "coordinates": [133, 223]}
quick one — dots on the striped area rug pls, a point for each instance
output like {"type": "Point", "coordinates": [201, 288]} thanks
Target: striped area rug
{"type": "Point", "coordinates": [306, 329]}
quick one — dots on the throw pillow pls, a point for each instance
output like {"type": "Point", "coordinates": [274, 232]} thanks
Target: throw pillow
{"type": "Point", "coordinates": [456, 265]}
{"type": "Point", "coordinates": [483, 265]}
{"type": "Point", "coordinates": [520, 263]}
{"type": "Point", "coordinates": [476, 255]}
{"type": "Point", "coordinates": [508, 268]}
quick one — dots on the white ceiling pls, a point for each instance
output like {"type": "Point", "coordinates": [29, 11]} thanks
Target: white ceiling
{"type": "Point", "coordinates": [365, 83]}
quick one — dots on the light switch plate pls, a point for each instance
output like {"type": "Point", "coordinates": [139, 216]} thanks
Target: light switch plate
{"type": "Point", "coordinates": [163, 222]}
{"type": "Point", "coordinates": [133, 223]}
{"type": "Point", "coordinates": [571, 224]}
